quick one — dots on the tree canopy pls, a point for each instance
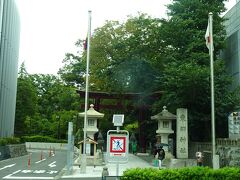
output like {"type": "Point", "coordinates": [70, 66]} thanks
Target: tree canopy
{"type": "Point", "coordinates": [144, 55]}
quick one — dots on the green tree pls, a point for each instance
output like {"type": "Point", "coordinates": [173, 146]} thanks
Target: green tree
{"type": "Point", "coordinates": [121, 56]}
{"type": "Point", "coordinates": [55, 100]}
{"type": "Point", "coordinates": [186, 75]}
{"type": "Point", "coordinates": [26, 103]}
{"type": "Point", "coordinates": [73, 71]}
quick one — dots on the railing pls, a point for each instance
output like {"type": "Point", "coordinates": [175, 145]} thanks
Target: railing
{"type": "Point", "coordinates": [111, 177]}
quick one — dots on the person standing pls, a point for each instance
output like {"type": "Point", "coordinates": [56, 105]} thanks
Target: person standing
{"type": "Point", "coordinates": [134, 147]}
{"type": "Point", "coordinates": [160, 155]}
{"type": "Point", "coordinates": [199, 157]}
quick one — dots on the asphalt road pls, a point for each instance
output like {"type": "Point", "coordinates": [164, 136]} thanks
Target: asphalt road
{"type": "Point", "coordinates": [36, 165]}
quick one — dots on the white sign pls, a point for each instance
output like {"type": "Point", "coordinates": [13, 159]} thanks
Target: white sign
{"type": "Point", "coordinates": [117, 146]}
{"type": "Point", "coordinates": [118, 119]}
{"type": "Point", "coordinates": [88, 149]}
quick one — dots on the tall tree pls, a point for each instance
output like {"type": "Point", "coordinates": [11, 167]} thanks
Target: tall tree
{"type": "Point", "coordinates": [187, 71]}
{"type": "Point", "coordinates": [26, 103]}
{"type": "Point", "coordinates": [121, 58]}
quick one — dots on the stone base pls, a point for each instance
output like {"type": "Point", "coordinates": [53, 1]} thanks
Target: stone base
{"type": "Point", "coordinates": [91, 161]}
{"type": "Point", "coordinates": [179, 163]}
{"type": "Point", "coordinates": [168, 158]}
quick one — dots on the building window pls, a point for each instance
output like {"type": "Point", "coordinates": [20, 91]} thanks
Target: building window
{"type": "Point", "coordinates": [165, 124]}
{"type": "Point", "coordinates": [91, 122]}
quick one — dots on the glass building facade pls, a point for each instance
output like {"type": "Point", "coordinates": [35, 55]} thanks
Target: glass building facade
{"type": "Point", "coordinates": [9, 47]}
{"type": "Point", "coordinates": [232, 52]}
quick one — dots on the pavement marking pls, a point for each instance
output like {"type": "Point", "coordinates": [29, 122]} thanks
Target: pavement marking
{"type": "Point", "coordinates": [6, 177]}
{"type": "Point", "coordinates": [11, 165]}
{"type": "Point", "coordinates": [40, 161]}
{"type": "Point", "coordinates": [12, 177]}
{"type": "Point", "coordinates": [52, 164]}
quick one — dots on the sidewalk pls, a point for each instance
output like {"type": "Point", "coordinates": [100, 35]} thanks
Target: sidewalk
{"type": "Point", "coordinates": [133, 162]}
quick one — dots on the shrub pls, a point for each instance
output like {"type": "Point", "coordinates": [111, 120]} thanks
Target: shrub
{"type": "Point", "coordinates": [39, 138]}
{"type": "Point", "coordinates": [9, 140]}
{"type": "Point", "coordinates": [193, 173]}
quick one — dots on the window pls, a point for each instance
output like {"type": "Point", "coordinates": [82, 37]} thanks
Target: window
{"type": "Point", "coordinates": [165, 124]}
{"type": "Point", "coordinates": [91, 122]}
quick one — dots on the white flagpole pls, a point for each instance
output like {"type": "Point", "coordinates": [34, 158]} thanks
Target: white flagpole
{"type": "Point", "coordinates": [84, 158]}
{"type": "Point", "coordinates": [212, 91]}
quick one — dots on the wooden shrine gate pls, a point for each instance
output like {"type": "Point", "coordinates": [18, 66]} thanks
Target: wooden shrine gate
{"type": "Point", "coordinates": [142, 108]}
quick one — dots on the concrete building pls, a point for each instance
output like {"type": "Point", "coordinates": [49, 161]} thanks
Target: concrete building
{"type": "Point", "coordinates": [9, 47]}
{"type": "Point", "coordinates": [232, 52]}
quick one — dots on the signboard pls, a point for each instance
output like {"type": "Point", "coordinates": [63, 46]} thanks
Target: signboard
{"type": "Point", "coordinates": [234, 125]}
{"type": "Point", "coordinates": [118, 119]}
{"type": "Point", "coordinates": [117, 146]}
{"type": "Point", "coordinates": [88, 149]}
{"type": "Point", "coordinates": [182, 133]}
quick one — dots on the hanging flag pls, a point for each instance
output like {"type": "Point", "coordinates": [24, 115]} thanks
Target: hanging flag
{"type": "Point", "coordinates": [85, 44]}
{"type": "Point", "coordinates": [208, 37]}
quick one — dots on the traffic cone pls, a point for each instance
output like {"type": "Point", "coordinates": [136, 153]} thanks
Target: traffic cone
{"type": "Point", "coordinates": [29, 161]}
{"type": "Point", "coordinates": [50, 153]}
{"type": "Point", "coordinates": [41, 156]}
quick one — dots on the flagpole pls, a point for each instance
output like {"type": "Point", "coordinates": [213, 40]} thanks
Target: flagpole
{"type": "Point", "coordinates": [84, 158]}
{"type": "Point", "coordinates": [212, 90]}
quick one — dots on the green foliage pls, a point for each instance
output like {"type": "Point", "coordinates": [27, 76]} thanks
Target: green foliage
{"type": "Point", "coordinates": [143, 54]}
{"type": "Point", "coordinates": [41, 139]}
{"type": "Point", "coordinates": [26, 102]}
{"type": "Point", "coordinates": [131, 127]}
{"type": "Point", "coordinates": [9, 140]}
{"type": "Point", "coordinates": [186, 74]}
{"type": "Point", "coordinates": [44, 106]}
{"type": "Point", "coordinates": [73, 70]}
{"type": "Point", "coordinates": [195, 173]}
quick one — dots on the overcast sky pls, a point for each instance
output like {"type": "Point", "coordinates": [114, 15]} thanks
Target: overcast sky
{"type": "Point", "coordinates": [49, 28]}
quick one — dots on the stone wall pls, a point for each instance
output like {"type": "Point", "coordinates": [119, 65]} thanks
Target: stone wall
{"type": "Point", "coordinates": [11, 151]}
{"type": "Point", "coordinates": [4, 153]}
{"type": "Point", "coordinates": [229, 152]}
{"type": "Point", "coordinates": [227, 149]}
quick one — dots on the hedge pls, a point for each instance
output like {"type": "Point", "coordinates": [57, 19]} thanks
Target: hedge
{"type": "Point", "coordinates": [9, 140]}
{"type": "Point", "coordinates": [41, 139]}
{"type": "Point", "coordinates": [193, 173]}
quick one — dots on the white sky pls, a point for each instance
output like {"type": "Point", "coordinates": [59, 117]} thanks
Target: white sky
{"type": "Point", "coordinates": [49, 28]}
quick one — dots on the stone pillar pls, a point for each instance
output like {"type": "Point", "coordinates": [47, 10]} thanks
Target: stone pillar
{"type": "Point", "coordinates": [182, 133]}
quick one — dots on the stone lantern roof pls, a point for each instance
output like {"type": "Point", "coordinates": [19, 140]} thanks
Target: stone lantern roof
{"type": "Point", "coordinates": [164, 115]}
{"type": "Point", "coordinates": [92, 113]}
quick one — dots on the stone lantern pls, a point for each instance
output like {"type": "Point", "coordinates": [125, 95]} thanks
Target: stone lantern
{"type": "Point", "coordinates": [92, 116]}
{"type": "Point", "coordinates": [91, 129]}
{"type": "Point", "coordinates": [164, 119]}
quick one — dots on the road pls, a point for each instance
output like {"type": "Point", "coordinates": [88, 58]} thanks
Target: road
{"type": "Point", "coordinates": [36, 165]}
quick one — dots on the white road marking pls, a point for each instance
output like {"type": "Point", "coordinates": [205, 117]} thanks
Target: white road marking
{"type": "Point", "coordinates": [11, 165]}
{"type": "Point", "coordinates": [17, 177]}
{"type": "Point", "coordinates": [6, 177]}
{"type": "Point", "coordinates": [40, 161]}
{"type": "Point", "coordinates": [28, 177]}
{"type": "Point", "coordinates": [52, 172]}
{"type": "Point", "coordinates": [39, 171]}
{"type": "Point", "coordinates": [52, 164]}
{"type": "Point", "coordinates": [10, 176]}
